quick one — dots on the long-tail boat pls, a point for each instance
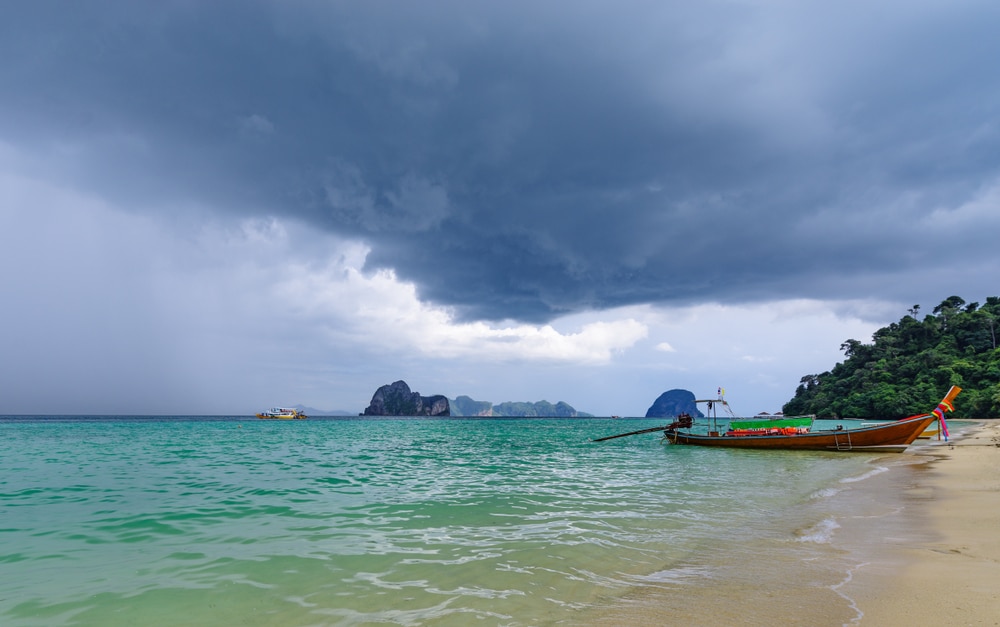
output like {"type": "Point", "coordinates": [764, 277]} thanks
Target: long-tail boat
{"type": "Point", "coordinates": [798, 434]}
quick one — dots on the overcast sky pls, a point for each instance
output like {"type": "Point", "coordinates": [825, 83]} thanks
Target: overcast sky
{"type": "Point", "coordinates": [216, 207]}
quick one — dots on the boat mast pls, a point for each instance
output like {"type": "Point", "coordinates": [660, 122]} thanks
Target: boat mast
{"type": "Point", "coordinates": [712, 411]}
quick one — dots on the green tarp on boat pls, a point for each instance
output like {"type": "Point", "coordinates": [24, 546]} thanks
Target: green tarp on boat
{"type": "Point", "coordinates": [776, 423]}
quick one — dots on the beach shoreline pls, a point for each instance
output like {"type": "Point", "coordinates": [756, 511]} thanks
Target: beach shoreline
{"type": "Point", "coordinates": [913, 541]}
{"type": "Point", "coordinates": [944, 569]}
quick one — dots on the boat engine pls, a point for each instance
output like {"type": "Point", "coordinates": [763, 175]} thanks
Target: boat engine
{"type": "Point", "coordinates": [684, 421]}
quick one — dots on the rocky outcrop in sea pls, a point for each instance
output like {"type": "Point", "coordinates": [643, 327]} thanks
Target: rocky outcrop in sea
{"type": "Point", "coordinates": [396, 399]}
{"type": "Point", "coordinates": [673, 403]}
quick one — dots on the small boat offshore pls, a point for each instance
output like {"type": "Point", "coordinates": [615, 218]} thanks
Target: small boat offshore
{"type": "Point", "coordinates": [282, 413]}
{"type": "Point", "coordinates": [797, 433]}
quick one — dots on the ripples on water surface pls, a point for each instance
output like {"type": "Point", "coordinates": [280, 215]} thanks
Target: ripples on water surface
{"type": "Point", "coordinates": [407, 521]}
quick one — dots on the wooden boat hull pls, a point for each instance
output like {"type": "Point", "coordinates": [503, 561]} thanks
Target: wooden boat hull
{"type": "Point", "coordinates": [892, 437]}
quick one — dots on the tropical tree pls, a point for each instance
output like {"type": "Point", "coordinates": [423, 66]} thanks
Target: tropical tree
{"type": "Point", "coordinates": [910, 364]}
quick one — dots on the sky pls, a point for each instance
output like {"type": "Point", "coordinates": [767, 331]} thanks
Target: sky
{"type": "Point", "coordinates": [214, 208]}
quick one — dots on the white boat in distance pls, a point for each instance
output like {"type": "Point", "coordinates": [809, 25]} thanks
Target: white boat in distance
{"type": "Point", "coordinates": [282, 413]}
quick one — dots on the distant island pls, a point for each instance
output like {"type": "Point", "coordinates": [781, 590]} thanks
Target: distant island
{"type": "Point", "coordinates": [465, 406]}
{"type": "Point", "coordinates": [673, 403]}
{"type": "Point", "coordinates": [396, 399]}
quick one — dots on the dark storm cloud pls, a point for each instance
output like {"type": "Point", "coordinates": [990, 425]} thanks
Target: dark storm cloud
{"type": "Point", "coordinates": [522, 161]}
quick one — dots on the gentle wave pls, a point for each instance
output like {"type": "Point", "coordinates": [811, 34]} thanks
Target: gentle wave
{"type": "Point", "coordinates": [409, 521]}
{"type": "Point", "coordinates": [821, 532]}
{"type": "Point", "coordinates": [868, 475]}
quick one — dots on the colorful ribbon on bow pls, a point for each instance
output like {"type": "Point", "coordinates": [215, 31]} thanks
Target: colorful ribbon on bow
{"type": "Point", "coordinates": [939, 411]}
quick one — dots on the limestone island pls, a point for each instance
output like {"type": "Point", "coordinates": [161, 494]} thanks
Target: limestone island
{"type": "Point", "coordinates": [396, 399]}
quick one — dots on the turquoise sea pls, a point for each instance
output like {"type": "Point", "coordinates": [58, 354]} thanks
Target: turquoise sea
{"type": "Point", "coordinates": [221, 521]}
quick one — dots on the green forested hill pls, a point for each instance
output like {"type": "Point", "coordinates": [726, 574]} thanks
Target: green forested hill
{"type": "Point", "coordinates": [911, 365]}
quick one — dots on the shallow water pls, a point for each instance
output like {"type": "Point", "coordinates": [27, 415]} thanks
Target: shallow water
{"type": "Point", "coordinates": [222, 521]}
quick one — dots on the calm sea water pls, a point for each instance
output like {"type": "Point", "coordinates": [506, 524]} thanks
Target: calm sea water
{"type": "Point", "coordinates": [238, 521]}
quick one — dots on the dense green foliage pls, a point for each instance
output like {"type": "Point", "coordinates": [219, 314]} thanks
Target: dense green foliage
{"type": "Point", "coordinates": [911, 365]}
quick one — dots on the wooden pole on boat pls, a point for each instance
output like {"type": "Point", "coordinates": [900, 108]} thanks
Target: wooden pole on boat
{"type": "Point", "coordinates": [950, 396]}
{"type": "Point", "coordinates": [622, 435]}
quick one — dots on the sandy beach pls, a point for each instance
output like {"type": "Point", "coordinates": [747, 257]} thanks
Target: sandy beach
{"type": "Point", "coordinates": [922, 547]}
{"type": "Point", "coordinates": [949, 574]}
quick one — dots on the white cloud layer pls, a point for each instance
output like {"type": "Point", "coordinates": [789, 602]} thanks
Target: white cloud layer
{"type": "Point", "coordinates": [151, 303]}
{"type": "Point", "coordinates": [113, 311]}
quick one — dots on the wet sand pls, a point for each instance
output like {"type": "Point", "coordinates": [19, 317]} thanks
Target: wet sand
{"type": "Point", "coordinates": [916, 545]}
{"type": "Point", "coordinates": [947, 572]}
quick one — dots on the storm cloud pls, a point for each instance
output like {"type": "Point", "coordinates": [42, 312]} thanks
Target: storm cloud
{"type": "Point", "coordinates": [517, 163]}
